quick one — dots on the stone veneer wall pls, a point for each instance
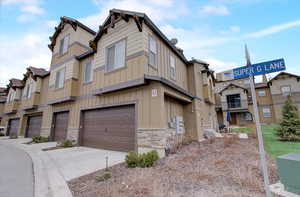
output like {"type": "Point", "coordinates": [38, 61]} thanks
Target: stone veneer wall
{"type": "Point", "coordinates": [157, 138]}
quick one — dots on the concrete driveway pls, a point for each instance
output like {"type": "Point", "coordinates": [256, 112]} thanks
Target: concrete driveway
{"type": "Point", "coordinates": [52, 169]}
{"type": "Point", "coordinates": [78, 161]}
{"type": "Point", "coordinates": [16, 172]}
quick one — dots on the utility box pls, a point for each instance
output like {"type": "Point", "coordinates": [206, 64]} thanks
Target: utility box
{"type": "Point", "coordinates": [179, 124]}
{"type": "Point", "coordinates": [289, 172]}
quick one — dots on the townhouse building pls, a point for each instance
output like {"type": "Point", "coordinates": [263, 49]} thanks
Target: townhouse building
{"type": "Point", "coordinates": [233, 98]}
{"type": "Point", "coordinates": [126, 87]}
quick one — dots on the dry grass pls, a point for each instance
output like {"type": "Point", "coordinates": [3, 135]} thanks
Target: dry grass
{"type": "Point", "coordinates": [228, 169]}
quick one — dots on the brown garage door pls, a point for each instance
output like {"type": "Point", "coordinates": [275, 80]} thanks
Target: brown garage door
{"type": "Point", "coordinates": [34, 125]}
{"type": "Point", "coordinates": [13, 126]}
{"type": "Point", "coordinates": [109, 128]}
{"type": "Point", "coordinates": [60, 126]}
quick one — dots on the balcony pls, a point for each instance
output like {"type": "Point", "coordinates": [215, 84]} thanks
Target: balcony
{"type": "Point", "coordinates": [241, 105]}
{"type": "Point", "coordinates": [11, 107]}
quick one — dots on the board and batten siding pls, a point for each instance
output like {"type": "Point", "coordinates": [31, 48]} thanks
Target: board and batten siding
{"type": "Point", "coordinates": [163, 60]}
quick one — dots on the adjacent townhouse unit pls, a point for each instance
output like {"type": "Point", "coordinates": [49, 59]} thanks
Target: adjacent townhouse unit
{"type": "Point", "coordinates": [126, 87]}
{"type": "Point", "coordinates": [233, 98]}
{"type": "Point", "coordinates": [25, 103]}
{"type": "Point", "coordinates": [3, 94]}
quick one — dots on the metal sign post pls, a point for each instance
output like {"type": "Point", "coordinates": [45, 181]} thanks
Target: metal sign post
{"type": "Point", "coordinates": [258, 128]}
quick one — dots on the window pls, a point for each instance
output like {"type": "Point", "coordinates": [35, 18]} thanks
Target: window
{"type": "Point", "coordinates": [60, 78]}
{"type": "Point", "coordinates": [261, 93]}
{"type": "Point", "coordinates": [172, 67]}
{"type": "Point", "coordinates": [88, 72]}
{"type": "Point", "coordinates": [64, 45]}
{"type": "Point", "coordinates": [267, 112]}
{"type": "Point", "coordinates": [234, 101]}
{"type": "Point", "coordinates": [11, 96]}
{"type": "Point", "coordinates": [246, 116]}
{"type": "Point", "coordinates": [152, 51]}
{"type": "Point", "coordinates": [286, 90]}
{"type": "Point", "coordinates": [116, 56]}
{"type": "Point", "coordinates": [27, 91]}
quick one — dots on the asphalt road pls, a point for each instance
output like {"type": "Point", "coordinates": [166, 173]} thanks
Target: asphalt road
{"type": "Point", "coordinates": [16, 172]}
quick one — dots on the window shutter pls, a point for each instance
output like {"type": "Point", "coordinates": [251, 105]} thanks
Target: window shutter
{"type": "Point", "coordinates": [120, 54]}
{"type": "Point", "coordinates": [110, 58]}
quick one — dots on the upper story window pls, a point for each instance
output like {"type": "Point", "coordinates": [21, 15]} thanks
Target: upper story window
{"type": "Point", "coordinates": [152, 51]}
{"type": "Point", "coordinates": [116, 55]}
{"type": "Point", "coordinates": [172, 67]}
{"type": "Point", "coordinates": [27, 91]}
{"type": "Point", "coordinates": [234, 101]}
{"type": "Point", "coordinates": [11, 97]}
{"type": "Point", "coordinates": [60, 78]}
{"type": "Point", "coordinates": [267, 112]}
{"type": "Point", "coordinates": [286, 90]}
{"type": "Point", "coordinates": [261, 93]}
{"type": "Point", "coordinates": [64, 45]}
{"type": "Point", "coordinates": [88, 72]}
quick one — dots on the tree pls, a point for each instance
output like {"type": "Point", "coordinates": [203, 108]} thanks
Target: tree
{"type": "Point", "coordinates": [289, 129]}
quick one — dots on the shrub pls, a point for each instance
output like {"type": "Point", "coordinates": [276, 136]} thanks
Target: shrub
{"type": "Point", "coordinates": [289, 129]}
{"type": "Point", "coordinates": [67, 143]}
{"type": "Point", "coordinates": [132, 160]}
{"type": "Point", "coordinates": [104, 177]}
{"type": "Point", "coordinates": [144, 160]}
{"type": "Point", "coordinates": [39, 139]}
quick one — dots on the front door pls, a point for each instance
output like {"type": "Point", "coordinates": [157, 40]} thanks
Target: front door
{"type": "Point", "coordinates": [233, 120]}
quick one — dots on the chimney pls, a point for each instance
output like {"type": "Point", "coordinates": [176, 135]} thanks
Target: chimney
{"type": "Point", "coordinates": [174, 41]}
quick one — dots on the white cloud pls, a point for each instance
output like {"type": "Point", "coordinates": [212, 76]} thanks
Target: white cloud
{"type": "Point", "coordinates": [215, 10]}
{"type": "Point", "coordinates": [19, 52]}
{"type": "Point", "coordinates": [158, 10]}
{"type": "Point", "coordinates": [235, 29]}
{"type": "Point", "coordinates": [273, 29]}
{"type": "Point", "coordinates": [32, 9]}
{"type": "Point", "coordinates": [218, 65]}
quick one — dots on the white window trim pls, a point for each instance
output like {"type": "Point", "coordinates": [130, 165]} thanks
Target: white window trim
{"type": "Point", "coordinates": [61, 47]}
{"type": "Point", "coordinates": [84, 74]}
{"type": "Point", "coordinates": [263, 94]}
{"type": "Point", "coordinates": [174, 67]}
{"type": "Point", "coordinates": [285, 93]}
{"type": "Point", "coordinates": [56, 85]}
{"type": "Point", "coordinates": [267, 114]}
{"type": "Point", "coordinates": [150, 37]}
{"type": "Point", "coordinates": [106, 55]}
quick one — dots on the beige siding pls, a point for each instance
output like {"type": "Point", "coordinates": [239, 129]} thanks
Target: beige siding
{"type": "Point", "coordinates": [163, 60]}
{"type": "Point", "coordinates": [122, 30]}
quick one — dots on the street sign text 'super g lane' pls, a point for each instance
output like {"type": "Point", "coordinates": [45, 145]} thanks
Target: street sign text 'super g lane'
{"type": "Point", "coordinates": [259, 69]}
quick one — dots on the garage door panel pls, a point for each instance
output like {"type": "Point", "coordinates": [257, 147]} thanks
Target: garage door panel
{"type": "Point", "coordinates": [109, 128]}
{"type": "Point", "coordinates": [61, 126]}
{"type": "Point", "coordinates": [13, 127]}
{"type": "Point", "coordinates": [34, 126]}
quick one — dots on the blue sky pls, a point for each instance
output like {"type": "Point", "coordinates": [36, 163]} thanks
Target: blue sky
{"type": "Point", "coordinates": [212, 30]}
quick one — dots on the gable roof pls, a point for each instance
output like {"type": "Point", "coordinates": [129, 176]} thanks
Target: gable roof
{"type": "Point", "coordinates": [15, 83]}
{"type": "Point", "coordinates": [139, 18]}
{"type": "Point", "coordinates": [38, 72]}
{"type": "Point", "coordinates": [232, 84]}
{"type": "Point", "coordinates": [67, 20]}
{"type": "Point", "coordinates": [285, 73]}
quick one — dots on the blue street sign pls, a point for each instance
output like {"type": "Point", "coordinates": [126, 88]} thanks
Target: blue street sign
{"type": "Point", "coordinates": [259, 69]}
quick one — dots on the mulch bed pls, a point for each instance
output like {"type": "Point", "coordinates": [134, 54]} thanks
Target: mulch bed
{"type": "Point", "coordinates": [229, 168]}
